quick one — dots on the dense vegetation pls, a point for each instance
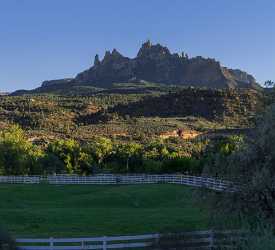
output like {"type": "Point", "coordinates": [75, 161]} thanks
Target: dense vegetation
{"type": "Point", "coordinates": [250, 165]}
{"type": "Point", "coordinates": [18, 156]}
{"type": "Point", "coordinates": [115, 132]}
{"type": "Point", "coordinates": [211, 104]}
{"type": "Point", "coordinates": [129, 116]}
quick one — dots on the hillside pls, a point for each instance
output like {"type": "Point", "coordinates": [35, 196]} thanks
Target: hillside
{"type": "Point", "coordinates": [206, 103]}
{"type": "Point", "coordinates": [153, 63]}
{"type": "Point", "coordinates": [137, 116]}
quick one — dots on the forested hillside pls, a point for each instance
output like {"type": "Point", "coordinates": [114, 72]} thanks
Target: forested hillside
{"type": "Point", "coordinates": [156, 131]}
{"type": "Point", "coordinates": [132, 115]}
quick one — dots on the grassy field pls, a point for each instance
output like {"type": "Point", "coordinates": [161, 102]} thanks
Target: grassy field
{"type": "Point", "coordinates": [69, 211]}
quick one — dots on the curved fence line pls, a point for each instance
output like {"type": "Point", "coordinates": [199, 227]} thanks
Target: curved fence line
{"type": "Point", "coordinates": [111, 179]}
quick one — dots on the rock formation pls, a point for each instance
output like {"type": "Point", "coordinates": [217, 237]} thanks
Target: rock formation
{"type": "Point", "coordinates": [155, 63]}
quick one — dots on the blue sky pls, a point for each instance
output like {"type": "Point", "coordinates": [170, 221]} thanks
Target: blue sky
{"type": "Point", "coordinates": [50, 39]}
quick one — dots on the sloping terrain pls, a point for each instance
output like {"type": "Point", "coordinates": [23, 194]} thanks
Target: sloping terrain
{"type": "Point", "coordinates": [207, 103]}
{"type": "Point", "coordinates": [138, 116]}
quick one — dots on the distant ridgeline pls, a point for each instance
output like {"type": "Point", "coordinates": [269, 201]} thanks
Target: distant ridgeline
{"type": "Point", "coordinates": [153, 63]}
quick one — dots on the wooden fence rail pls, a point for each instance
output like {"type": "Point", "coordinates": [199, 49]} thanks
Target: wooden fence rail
{"type": "Point", "coordinates": [110, 179]}
{"type": "Point", "coordinates": [189, 240]}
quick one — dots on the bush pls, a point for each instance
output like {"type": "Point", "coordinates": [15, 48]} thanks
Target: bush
{"type": "Point", "coordinates": [216, 154]}
{"type": "Point", "coordinates": [260, 237]}
{"type": "Point", "coordinates": [251, 167]}
{"type": "Point", "coordinates": [256, 242]}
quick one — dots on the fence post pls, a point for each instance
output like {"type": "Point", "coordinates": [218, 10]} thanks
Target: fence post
{"type": "Point", "coordinates": [157, 238]}
{"type": "Point", "coordinates": [211, 243]}
{"type": "Point", "coordinates": [104, 243]}
{"type": "Point", "coordinates": [51, 243]}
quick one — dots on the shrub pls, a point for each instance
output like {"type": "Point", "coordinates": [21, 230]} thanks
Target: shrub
{"type": "Point", "coordinates": [256, 242]}
{"type": "Point", "coordinates": [252, 167]}
{"type": "Point", "coordinates": [216, 154]}
{"type": "Point", "coordinates": [260, 237]}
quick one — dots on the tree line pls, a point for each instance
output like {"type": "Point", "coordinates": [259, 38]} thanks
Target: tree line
{"type": "Point", "coordinates": [18, 156]}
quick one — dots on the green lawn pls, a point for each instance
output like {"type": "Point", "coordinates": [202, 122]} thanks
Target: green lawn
{"type": "Point", "coordinates": [75, 210]}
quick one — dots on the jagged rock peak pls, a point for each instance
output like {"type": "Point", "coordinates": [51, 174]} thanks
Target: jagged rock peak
{"type": "Point", "coordinates": [112, 56]}
{"type": "Point", "coordinates": [107, 54]}
{"type": "Point", "coordinates": [96, 61]}
{"type": "Point", "coordinates": [147, 44]}
{"type": "Point", "coordinates": [115, 53]}
{"type": "Point", "coordinates": [148, 49]}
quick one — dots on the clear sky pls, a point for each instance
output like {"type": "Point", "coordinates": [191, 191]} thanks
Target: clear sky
{"type": "Point", "coordinates": [49, 39]}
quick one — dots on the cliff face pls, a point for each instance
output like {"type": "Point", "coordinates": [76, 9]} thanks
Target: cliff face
{"type": "Point", "coordinates": [155, 63]}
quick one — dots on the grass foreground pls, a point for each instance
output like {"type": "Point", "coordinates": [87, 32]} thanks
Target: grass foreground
{"type": "Point", "coordinates": [75, 210]}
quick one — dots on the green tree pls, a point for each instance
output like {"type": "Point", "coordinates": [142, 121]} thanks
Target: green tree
{"type": "Point", "coordinates": [217, 153]}
{"type": "Point", "coordinates": [17, 155]}
{"type": "Point", "coordinates": [127, 151]}
{"type": "Point", "coordinates": [156, 150]}
{"type": "Point", "coordinates": [73, 157]}
{"type": "Point", "coordinates": [100, 149]}
{"type": "Point", "coordinates": [51, 164]}
{"type": "Point", "coordinates": [251, 167]}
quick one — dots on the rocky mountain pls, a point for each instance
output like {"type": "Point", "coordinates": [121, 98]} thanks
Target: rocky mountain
{"type": "Point", "coordinates": [155, 63]}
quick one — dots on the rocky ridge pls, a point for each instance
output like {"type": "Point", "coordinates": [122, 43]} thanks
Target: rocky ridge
{"type": "Point", "coordinates": [155, 63]}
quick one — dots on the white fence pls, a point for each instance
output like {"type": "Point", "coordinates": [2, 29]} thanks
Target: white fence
{"type": "Point", "coordinates": [107, 179]}
{"type": "Point", "coordinates": [20, 179]}
{"type": "Point", "coordinates": [190, 240]}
